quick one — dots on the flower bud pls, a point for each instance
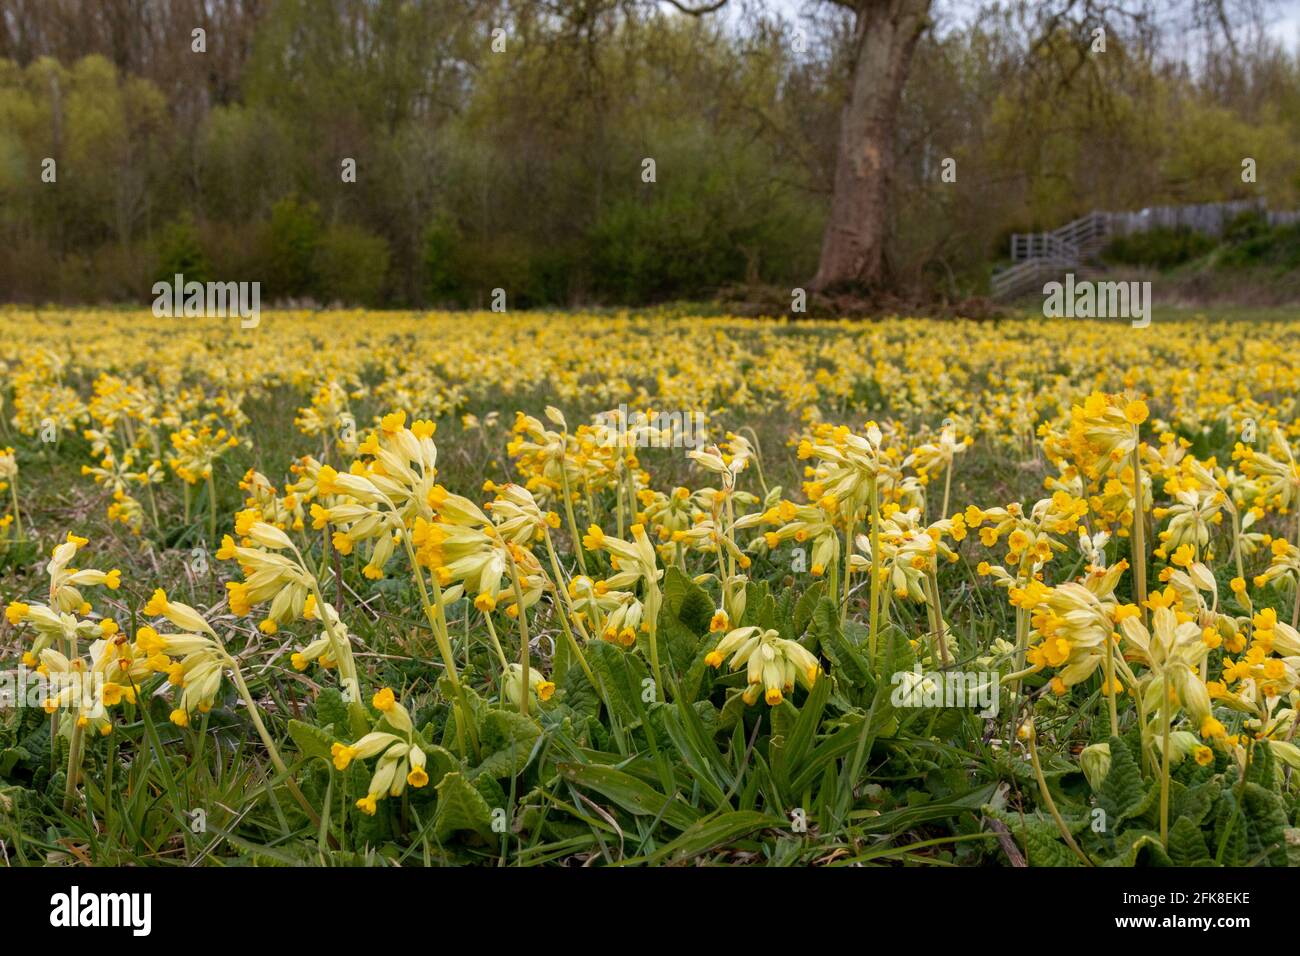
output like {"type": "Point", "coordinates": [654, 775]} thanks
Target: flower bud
{"type": "Point", "coordinates": [1095, 761]}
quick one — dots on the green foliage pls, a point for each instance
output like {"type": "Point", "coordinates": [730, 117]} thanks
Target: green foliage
{"type": "Point", "coordinates": [1160, 248]}
{"type": "Point", "coordinates": [1219, 820]}
{"type": "Point", "coordinates": [294, 236]}
{"type": "Point", "coordinates": [352, 266]}
{"type": "Point", "coordinates": [179, 251]}
{"type": "Point", "coordinates": [440, 268]}
{"type": "Point", "coordinates": [1251, 242]}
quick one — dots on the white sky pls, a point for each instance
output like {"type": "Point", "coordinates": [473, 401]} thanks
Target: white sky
{"type": "Point", "coordinates": [1285, 15]}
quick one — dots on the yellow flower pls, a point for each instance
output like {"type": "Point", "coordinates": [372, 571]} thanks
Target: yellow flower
{"type": "Point", "coordinates": [343, 755]}
{"type": "Point", "coordinates": [1210, 727]}
{"type": "Point", "coordinates": [1135, 412]}
{"type": "Point", "coordinates": [418, 777]}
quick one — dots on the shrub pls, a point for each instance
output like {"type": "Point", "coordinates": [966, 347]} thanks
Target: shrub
{"type": "Point", "coordinates": [180, 251]}
{"type": "Point", "coordinates": [352, 265]}
{"type": "Point", "coordinates": [1160, 248]}
{"type": "Point", "coordinates": [293, 237]}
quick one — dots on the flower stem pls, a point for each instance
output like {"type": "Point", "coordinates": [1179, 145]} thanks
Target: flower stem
{"type": "Point", "coordinates": [277, 761]}
{"type": "Point", "coordinates": [74, 765]}
{"type": "Point", "coordinates": [940, 638]}
{"type": "Point", "coordinates": [562, 610]}
{"type": "Point", "coordinates": [1164, 765]}
{"type": "Point", "coordinates": [212, 510]}
{"type": "Point", "coordinates": [1111, 691]}
{"type": "Point", "coordinates": [1051, 804]}
{"type": "Point", "coordinates": [434, 612]}
{"type": "Point", "coordinates": [875, 572]}
{"type": "Point", "coordinates": [947, 486]}
{"type": "Point", "coordinates": [568, 513]}
{"type": "Point", "coordinates": [18, 518]}
{"type": "Point", "coordinates": [524, 649]}
{"type": "Point", "coordinates": [848, 557]}
{"type": "Point", "coordinates": [1139, 536]}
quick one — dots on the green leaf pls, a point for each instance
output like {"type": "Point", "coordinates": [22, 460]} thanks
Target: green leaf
{"type": "Point", "coordinates": [725, 828]}
{"type": "Point", "coordinates": [330, 710]}
{"type": "Point", "coordinates": [577, 693]}
{"type": "Point", "coordinates": [1229, 831]}
{"type": "Point", "coordinates": [631, 794]}
{"type": "Point", "coordinates": [1042, 824]}
{"type": "Point", "coordinates": [1042, 850]}
{"type": "Point", "coordinates": [621, 674]}
{"type": "Point", "coordinates": [1261, 768]}
{"type": "Point", "coordinates": [1266, 823]}
{"type": "Point", "coordinates": [9, 758]}
{"type": "Point", "coordinates": [1135, 845]}
{"type": "Point", "coordinates": [460, 807]}
{"type": "Point", "coordinates": [733, 710]}
{"type": "Point", "coordinates": [691, 684]}
{"type": "Point", "coordinates": [1193, 803]}
{"type": "Point", "coordinates": [311, 740]}
{"type": "Point", "coordinates": [803, 608]}
{"type": "Point", "coordinates": [1186, 845]}
{"type": "Point", "coordinates": [506, 738]}
{"type": "Point", "coordinates": [801, 736]}
{"type": "Point", "coordinates": [685, 726]}
{"type": "Point", "coordinates": [895, 653]}
{"type": "Point", "coordinates": [760, 607]}
{"type": "Point", "coordinates": [687, 601]}
{"type": "Point", "coordinates": [440, 762]}
{"type": "Point", "coordinates": [1121, 794]}
{"type": "Point", "coordinates": [846, 659]}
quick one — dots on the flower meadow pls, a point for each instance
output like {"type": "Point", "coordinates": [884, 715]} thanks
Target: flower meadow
{"type": "Point", "coordinates": [382, 588]}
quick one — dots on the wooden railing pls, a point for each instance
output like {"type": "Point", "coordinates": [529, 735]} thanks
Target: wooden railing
{"type": "Point", "coordinates": [1037, 256]}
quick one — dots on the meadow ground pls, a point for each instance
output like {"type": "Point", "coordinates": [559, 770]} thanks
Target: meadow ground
{"type": "Point", "coordinates": [850, 592]}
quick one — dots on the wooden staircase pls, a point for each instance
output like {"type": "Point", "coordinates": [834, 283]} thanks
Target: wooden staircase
{"type": "Point", "coordinates": [1040, 257]}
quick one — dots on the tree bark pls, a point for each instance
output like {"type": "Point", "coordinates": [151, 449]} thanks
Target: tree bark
{"type": "Point", "coordinates": [885, 36]}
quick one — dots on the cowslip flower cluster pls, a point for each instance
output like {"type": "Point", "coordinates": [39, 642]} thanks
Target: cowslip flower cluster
{"type": "Point", "coordinates": [773, 664]}
{"type": "Point", "coordinates": [402, 760]}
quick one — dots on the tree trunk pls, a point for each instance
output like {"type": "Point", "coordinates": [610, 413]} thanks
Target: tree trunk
{"type": "Point", "coordinates": [853, 247]}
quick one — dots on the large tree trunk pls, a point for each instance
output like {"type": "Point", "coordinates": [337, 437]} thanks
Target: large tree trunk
{"type": "Point", "coordinates": [853, 247]}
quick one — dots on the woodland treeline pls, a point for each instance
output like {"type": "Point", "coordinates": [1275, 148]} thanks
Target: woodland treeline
{"type": "Point", "coordinates": [524, 168]}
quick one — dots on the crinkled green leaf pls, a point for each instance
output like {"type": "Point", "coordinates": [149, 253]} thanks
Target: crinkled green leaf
{"type": "Point", "coordinates": [1042, 850]}
{"type": "Point", "coordinates": [506, 739]}
{"type": "Point", "coordinates": [311, 740]}
{"type": "Point", "coordinates": [1186, 845]}
{"type": "Point", "coordinates": [460, 807]}
{"type": "Point", "coordinates": [1121, 794]}
{"type": "Point", "coordinates": [1266, 823]}
{"type": "Point", "coordinates": [621, 674]}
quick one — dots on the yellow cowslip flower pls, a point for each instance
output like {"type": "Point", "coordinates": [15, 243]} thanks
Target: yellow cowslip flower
{"type": "Point", "coordinates": [774, 664]}
{"type": "Point", "coordinates": [539, 688]}
{"type": "Point", "coordinates": [1072, 624]}
{"type": "Point", "coordinates": [402, 760]}
{"type": "Point", "coordinates": [182, 615]}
